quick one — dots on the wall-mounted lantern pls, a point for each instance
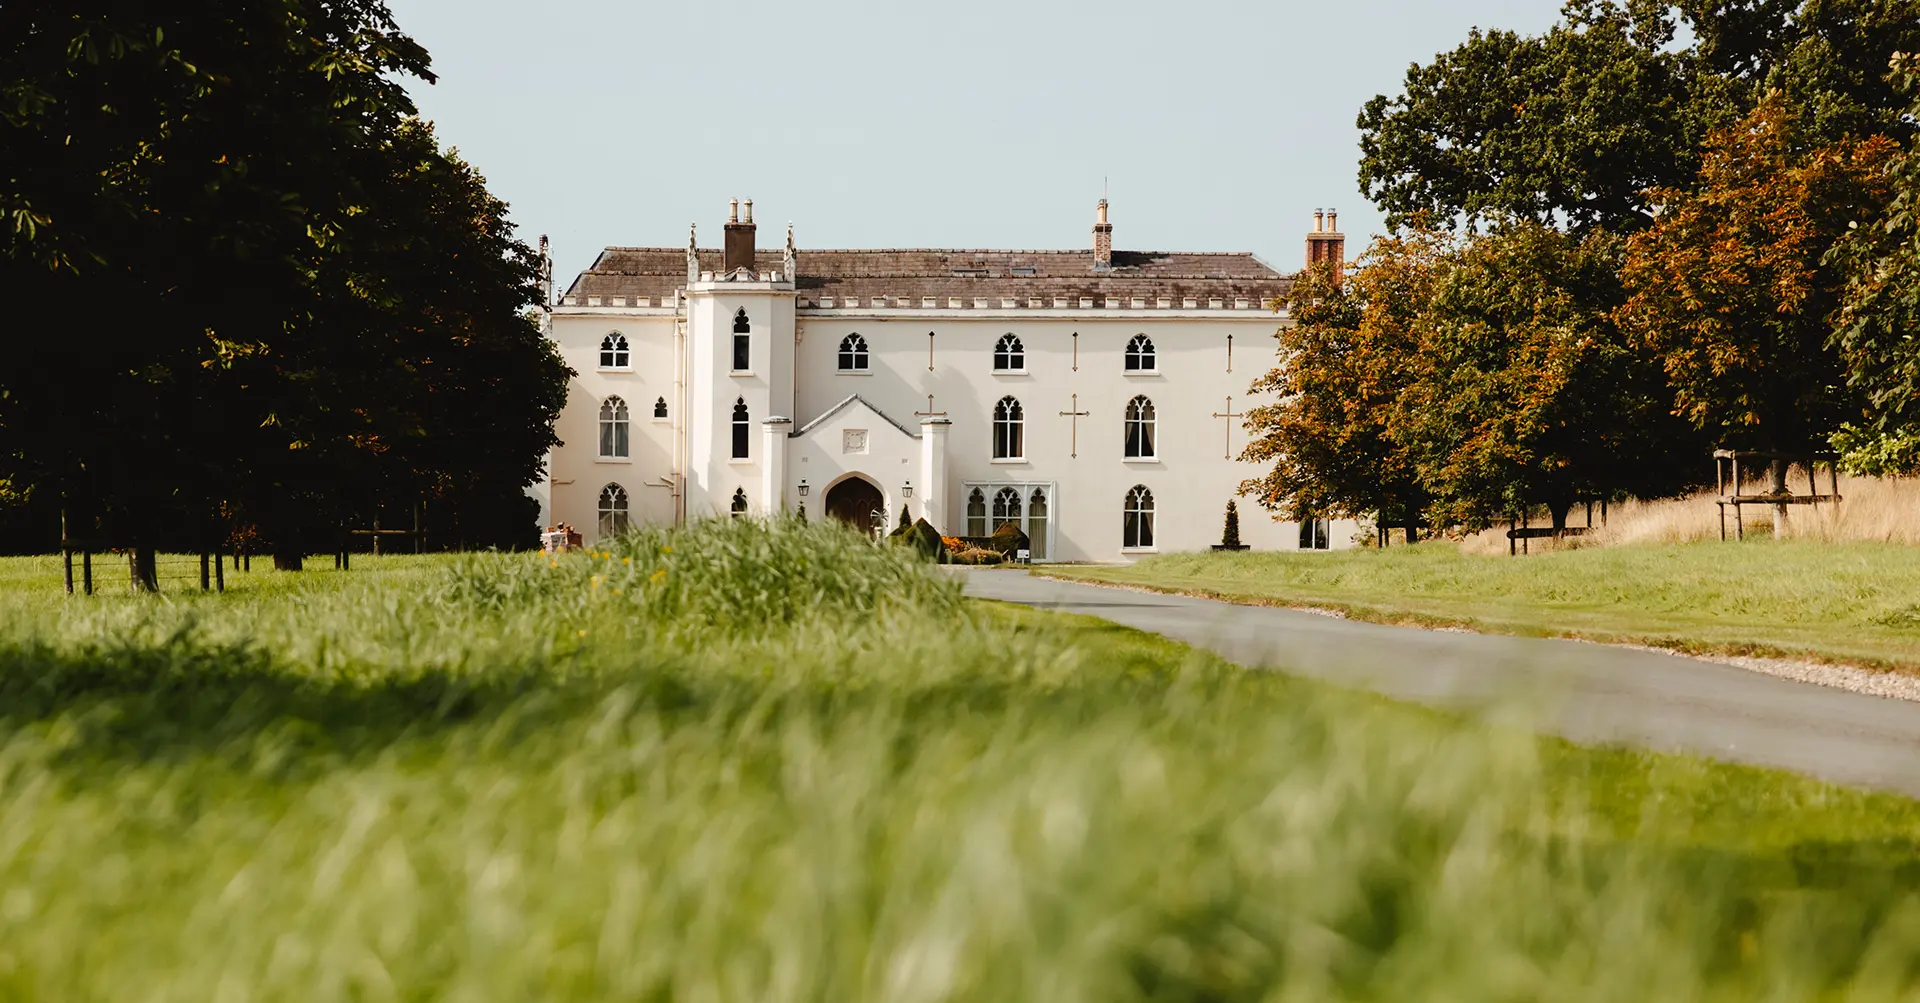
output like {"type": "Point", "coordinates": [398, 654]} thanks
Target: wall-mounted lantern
{"type": "Point", "coordinates": [906, 490]}
{"type": "Point", "coordinates": [803, 487]}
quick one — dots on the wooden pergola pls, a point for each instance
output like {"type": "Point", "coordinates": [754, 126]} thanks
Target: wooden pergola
{"type": "Point", "coordinates": [1727, 481]}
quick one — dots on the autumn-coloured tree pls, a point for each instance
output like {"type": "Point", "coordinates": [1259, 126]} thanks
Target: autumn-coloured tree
{"type": "Point", "coordinates": [1729, 288]}
{"type": "Point", "coordinates": [1341, 368]}
{"type": "Point", "coordinates": [1526, 393]}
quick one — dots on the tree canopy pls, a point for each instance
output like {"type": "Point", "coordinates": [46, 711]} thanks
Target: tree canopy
{"type": "Point", "coordinates": [279, 299]}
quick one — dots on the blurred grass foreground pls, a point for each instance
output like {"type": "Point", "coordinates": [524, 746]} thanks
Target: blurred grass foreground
{"type": "Point", "coordinates": [755, 762]}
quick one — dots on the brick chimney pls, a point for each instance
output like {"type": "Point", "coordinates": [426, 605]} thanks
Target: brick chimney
{"type": "Point", "coordinates": [1326, 243]}
{"type": "Point", "coordinates": [739, 238]}
{"type": "Point", "coordinates": [1102, 239]}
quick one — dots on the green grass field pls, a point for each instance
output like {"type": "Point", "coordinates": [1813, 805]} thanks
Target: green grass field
{"type": "Point", "coordinates": [1853, 602]}
{"type": "Point", "coordinates": [740, 762]}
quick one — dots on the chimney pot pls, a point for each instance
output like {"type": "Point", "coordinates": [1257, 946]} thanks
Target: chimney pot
{"type": "Point", "coordinates": [733, 210]}
{"type": "Point", "coordinates": [1319, 220]}
{"type": "Point", "coordinates": [1102, 239]}
{"type": "Point", "coordinates": [1333, 220]}
{"type": "Point", "coordinates": [738, 250]}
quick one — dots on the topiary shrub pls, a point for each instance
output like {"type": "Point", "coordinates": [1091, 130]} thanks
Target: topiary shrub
{"type": "Point", "coordinates": [976, 556]}
{"type": "Point", "coordinates": [1008, 539]}
{"type": "Point", "coordinates": [926, 540]}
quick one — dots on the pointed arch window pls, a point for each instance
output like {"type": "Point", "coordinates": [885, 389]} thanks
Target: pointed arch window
{"type": "Point", "coordinates": [614, 429]}
{"type": "Point", "coordinates": [613, 352]}
{"type": "Point", "coordinates": [1037, 524]}
{"type": "Point", "coordinates": [1137, 519]}
{"type": "Point", "coordinates": [977, 513]}
{"type": "Point", "coordinates": [853, 354]}
{"type": "Point", "coordinates": [613, 510]}
{"type": "Point", "coordinates": [1009, 355]}
{"type": "Point", "coordinates": [660, 407]}
{"type": "Point", "coordinates": [1006, 507]}
{"type": "Point", "coordinates": [1009, 427]}
{"type": "Point", "coordinates": [742, 342]}
{"type": "Point", "coordinates": [739, 506]}
{"type": "Point", "coordinates": [1140, 428]}
{"type": "Point", "coordinates": [740, 428]}
{"type": "Point", "coordinates": [1140, 358]}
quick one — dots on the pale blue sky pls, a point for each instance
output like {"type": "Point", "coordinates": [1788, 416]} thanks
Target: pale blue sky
{"type": "Point", "coordinates": [1220, 124]}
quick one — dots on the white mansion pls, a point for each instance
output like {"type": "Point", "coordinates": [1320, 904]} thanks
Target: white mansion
{"type": "Point", "coordinates": [1093, 397]}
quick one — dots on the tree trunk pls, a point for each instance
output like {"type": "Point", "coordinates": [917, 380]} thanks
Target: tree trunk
{"type": "Point", "coordinates": [1779, 487]}
{"type": "Point", "coordinates": [287, 555]}
{"type": "Point", "coordinates": [143, 569]}
{"type": "Point", "coordinates": [1413, 534]}
{"type": "Point", "coordinates": [1558, 512]}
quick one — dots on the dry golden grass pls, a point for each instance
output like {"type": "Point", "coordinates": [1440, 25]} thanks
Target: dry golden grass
{"type": "Point", "coordinates": [1872, 510]}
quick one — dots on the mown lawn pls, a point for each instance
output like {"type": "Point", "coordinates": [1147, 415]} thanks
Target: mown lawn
{"type": "Point", "coordinates": [775, 763]}
{"type": "Point", "coordinates": [1854, 602]}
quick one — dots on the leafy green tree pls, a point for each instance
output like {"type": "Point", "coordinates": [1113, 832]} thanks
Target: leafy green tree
{"type": "Point", "coordinates": [1880, 311]}
{"type": "Point", "coordinates": [1570, 126]}
{"type": "Point", "coordinates": [1526, 393]}
{"type": "Point", "coordinates": [1730, 289]}
{"type": "Point", "coordinates": [1341, 367]}
{"type": "Point", "coordinates": [1574, 126]}
{"type": "Point", "coordinates": [288, 303]}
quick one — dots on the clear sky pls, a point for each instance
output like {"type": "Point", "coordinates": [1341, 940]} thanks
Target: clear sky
{"type": "Point", "coordinates": [1219, 125]}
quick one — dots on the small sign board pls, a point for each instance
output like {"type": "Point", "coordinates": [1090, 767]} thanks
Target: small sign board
{"type": "Point", "coordinates": [1023, 555]}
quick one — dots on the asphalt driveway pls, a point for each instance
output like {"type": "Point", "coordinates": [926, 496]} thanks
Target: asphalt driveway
{"type": "Point", "coordinates": [1586, 692]}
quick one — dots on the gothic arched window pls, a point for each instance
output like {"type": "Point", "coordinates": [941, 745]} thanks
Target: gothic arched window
{"type": "Point", "coordinates": [977, 513]}
{"type": "Point", "coordinates": [613, 510]}
{"type": "Point", "coordinates": [660, 407]}
{"type": "Point", "coordinates": [853, 353]}
{"type": "Point", "coordinates": [1140, 355]}
{"type": "Point", "coordinates": [739, 428]}
{"type": "Point", "coordinates": [1137, 519]}
{"type": "Point", "coordinates": [1009, 354]}
{"type": "Point", "coordinates": [1008, 426]}
{"type": "Point", "coordinates": [1006, 507]}
{"type": "Point", "coordinates": [613, 429]}
{"type": "Point", "coordinates": [1037, 524]}
{"type": "Point", "coordinates": [739, 507]}
{"type": "Point", "coordinates": [742, 342]}
{"type": "Point", "coordinates": [1140, 429]}
{"type": "Point", "coordinates": [613, 351]}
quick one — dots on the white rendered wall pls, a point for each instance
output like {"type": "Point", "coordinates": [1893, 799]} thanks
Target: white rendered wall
{"type": "Point", "coordinates": [576, 473]}
{"type": "Point", "coordinates": [1191, 478]}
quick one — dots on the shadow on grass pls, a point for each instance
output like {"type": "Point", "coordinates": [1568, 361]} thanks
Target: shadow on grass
{"type": "Point", "coordinates": [184, 697]}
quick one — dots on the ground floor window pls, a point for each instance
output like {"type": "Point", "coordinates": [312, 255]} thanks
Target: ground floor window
{"type": "Point", "coordinates": [1026, 505]}
{"type": "Point", "coordinates": [977, 512]}
{"type": "Point", "coordinates": [1314, 533]}
{"type": "Point", "coordinates": [1136, 529]}
{"type": "Point", "coordinates": [613, 510]}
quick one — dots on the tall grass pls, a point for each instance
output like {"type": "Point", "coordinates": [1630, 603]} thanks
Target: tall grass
{"type": "Point", "coordinates": [744, 761]}
{"type": "Point", "coordinates": [1871, 510]}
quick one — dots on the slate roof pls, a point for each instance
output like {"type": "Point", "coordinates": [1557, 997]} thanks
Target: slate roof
{"type": "Point", "coordinates": [913, 274]}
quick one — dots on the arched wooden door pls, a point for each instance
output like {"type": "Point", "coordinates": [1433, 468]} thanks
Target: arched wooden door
{"type": "Point", "coordinates": [856, 502]}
